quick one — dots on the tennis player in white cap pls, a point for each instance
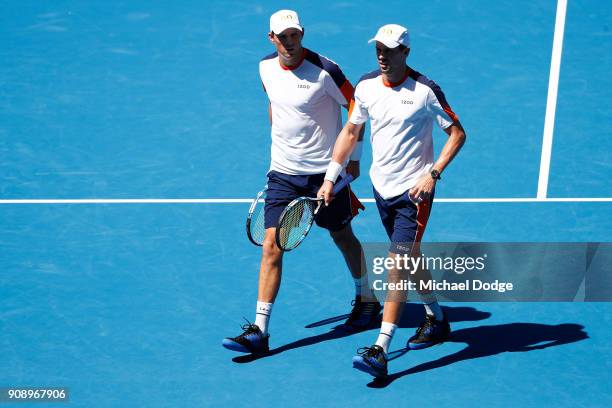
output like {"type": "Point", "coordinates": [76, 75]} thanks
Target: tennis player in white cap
{"type": "Point", "coordinates": [306, 92]}
{"type": "Point", "coordinates": [402, 106]}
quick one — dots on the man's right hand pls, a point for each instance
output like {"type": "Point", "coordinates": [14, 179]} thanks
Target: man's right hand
{"type": "Point", "coordinates": [325, 191]}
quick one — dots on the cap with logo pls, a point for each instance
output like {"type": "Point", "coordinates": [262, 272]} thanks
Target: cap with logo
{"type": "Point", "coordinates": [392, 35]}
{"type": "Point", "coordinates": [284, 19]}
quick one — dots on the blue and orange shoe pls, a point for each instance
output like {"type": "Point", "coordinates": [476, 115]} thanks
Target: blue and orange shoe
{"type": "Point", "coordinates": [430, 333]}
{"type": "Point", "coordinates": [371, 360]}
{"type": "Point", "coordinates": [251, 341]}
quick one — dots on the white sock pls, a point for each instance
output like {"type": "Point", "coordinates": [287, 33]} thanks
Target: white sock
{"type": "Point", "coordinates": [434, 309]}
{"type": "Point", "coordinates": [262, 316]}
{"type": "Point", "coordinates": [386, 335]}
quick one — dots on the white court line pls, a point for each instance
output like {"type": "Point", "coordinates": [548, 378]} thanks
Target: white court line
{"type": "Point", "coordinates": [551, 101]}
{"type": "Point", "coordinates": [248, 200]}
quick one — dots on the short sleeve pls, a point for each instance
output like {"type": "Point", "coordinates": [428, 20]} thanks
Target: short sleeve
{"type": "Point", "coordinates": [358, 113]}
{"type": "Point", "coordinates": [439, 108]}
{"type": "Point", "coordinates": [261, 77]}
{"type": "Point", "coordinates": [342, 94]}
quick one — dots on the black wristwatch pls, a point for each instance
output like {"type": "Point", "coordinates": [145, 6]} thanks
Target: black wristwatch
{"type": "Point", "coordinates": [435, 174]}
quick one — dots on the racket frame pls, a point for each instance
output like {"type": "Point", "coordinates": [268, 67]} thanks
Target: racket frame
{"type": "Point", "coordinates": [307, 230]}
{"type": "Point", "coordinates": [249, 219]}
{"type": "Point", "coordinates": [339, 186]}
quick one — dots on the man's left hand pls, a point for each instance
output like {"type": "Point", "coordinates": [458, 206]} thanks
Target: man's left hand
{"type": "Point", "coordinates": [423, 188]}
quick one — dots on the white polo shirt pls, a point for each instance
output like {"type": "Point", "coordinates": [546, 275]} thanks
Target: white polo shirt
{"type": "Point", "coordinates": [305, 111]}
{"type": "Point", "coordinates": [401, 118]}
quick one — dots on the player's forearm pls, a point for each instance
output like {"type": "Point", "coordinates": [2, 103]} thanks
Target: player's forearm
{"type": "Point", "coordinates": [347, 139]}
{"type": "Point", "coordinates": [357, 149]}
{"type": "Point", "coordinates": [452, 146]}
{"type": "Point", "coordinates": [345, 143]}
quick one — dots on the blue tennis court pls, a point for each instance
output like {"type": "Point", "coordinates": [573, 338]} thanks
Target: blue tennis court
{"type": "Point", "coordinates": [126, 302]}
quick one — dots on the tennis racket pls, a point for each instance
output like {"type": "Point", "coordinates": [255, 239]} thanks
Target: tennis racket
{"type": "Point", "coordinates": [296, 220]}
{"type": "Point", "coordinates": [255, 227]}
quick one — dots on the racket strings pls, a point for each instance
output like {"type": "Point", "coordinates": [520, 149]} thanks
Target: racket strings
{"type": "Point", "coordinates": [295, 223]}
{"type": "Point", "coordinates": [258, 230]}
{"type": "Point", "coordinates": [256, 221]}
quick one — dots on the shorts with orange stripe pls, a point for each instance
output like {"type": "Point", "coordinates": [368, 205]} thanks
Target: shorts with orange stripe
{"type": "Point", "coordinates": [403, 220]}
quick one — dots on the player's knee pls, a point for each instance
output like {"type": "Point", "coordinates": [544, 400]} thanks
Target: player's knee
{"type": "Point", "coordinates": [270, 251]}
{"type": "Point", "coordinates": [344, 239]}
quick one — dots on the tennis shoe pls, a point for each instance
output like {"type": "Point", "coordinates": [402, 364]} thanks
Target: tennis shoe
{"type": "Point", "coordinates": [363, 315]}
{"type": "Point", "coordinates": [251, 340]}
{"type": "Point", "coordinates": [430, 333]}
{"type": "Point", "coordinates": [371, 360]}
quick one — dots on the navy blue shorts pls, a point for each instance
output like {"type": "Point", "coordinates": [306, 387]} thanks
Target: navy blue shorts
{"type": "Point", "coordinates": [403, 220]}
{"type": "Point", "coordinates": [284, 188]}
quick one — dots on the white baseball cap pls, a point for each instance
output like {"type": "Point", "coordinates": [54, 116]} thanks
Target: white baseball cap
{"type": "Point", "coordinates": [284, 19]}
{"type": "Point", "coordinates": [392, 35]}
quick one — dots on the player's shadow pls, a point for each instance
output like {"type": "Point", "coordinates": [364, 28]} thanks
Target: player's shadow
{"type": "Point", "coordinates": [485, 341]}
{"type": "Point", "coordinates": [413, 315]}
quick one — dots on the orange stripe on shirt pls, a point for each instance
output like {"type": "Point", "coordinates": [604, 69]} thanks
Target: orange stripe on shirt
{"type": "Point", "coordinates": [450, 113]}
{"type": "Point", "coordinates": [347, 91]}
{"type": "Point", "coordinates": [350, 108]}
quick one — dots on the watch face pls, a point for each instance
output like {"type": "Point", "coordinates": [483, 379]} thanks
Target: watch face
{"type": "Point", "coordinates": [435, 174]}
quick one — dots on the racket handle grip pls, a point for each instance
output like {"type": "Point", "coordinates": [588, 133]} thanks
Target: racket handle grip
{"type": "Point", "coordinates": [342, 183]}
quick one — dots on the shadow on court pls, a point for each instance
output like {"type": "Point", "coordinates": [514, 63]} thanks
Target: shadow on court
{"type": "Point", "coordinates": [412, 317]}
{"type": "Point", "coordinates": [414, 313]}
{"type": "Point", "coordinates": [485, 341]}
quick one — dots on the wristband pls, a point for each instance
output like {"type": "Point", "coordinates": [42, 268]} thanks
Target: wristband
{"type": "Point", "coordinates": [333, 171]}
{"type": "Point", "coordinates": [356, 154]}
